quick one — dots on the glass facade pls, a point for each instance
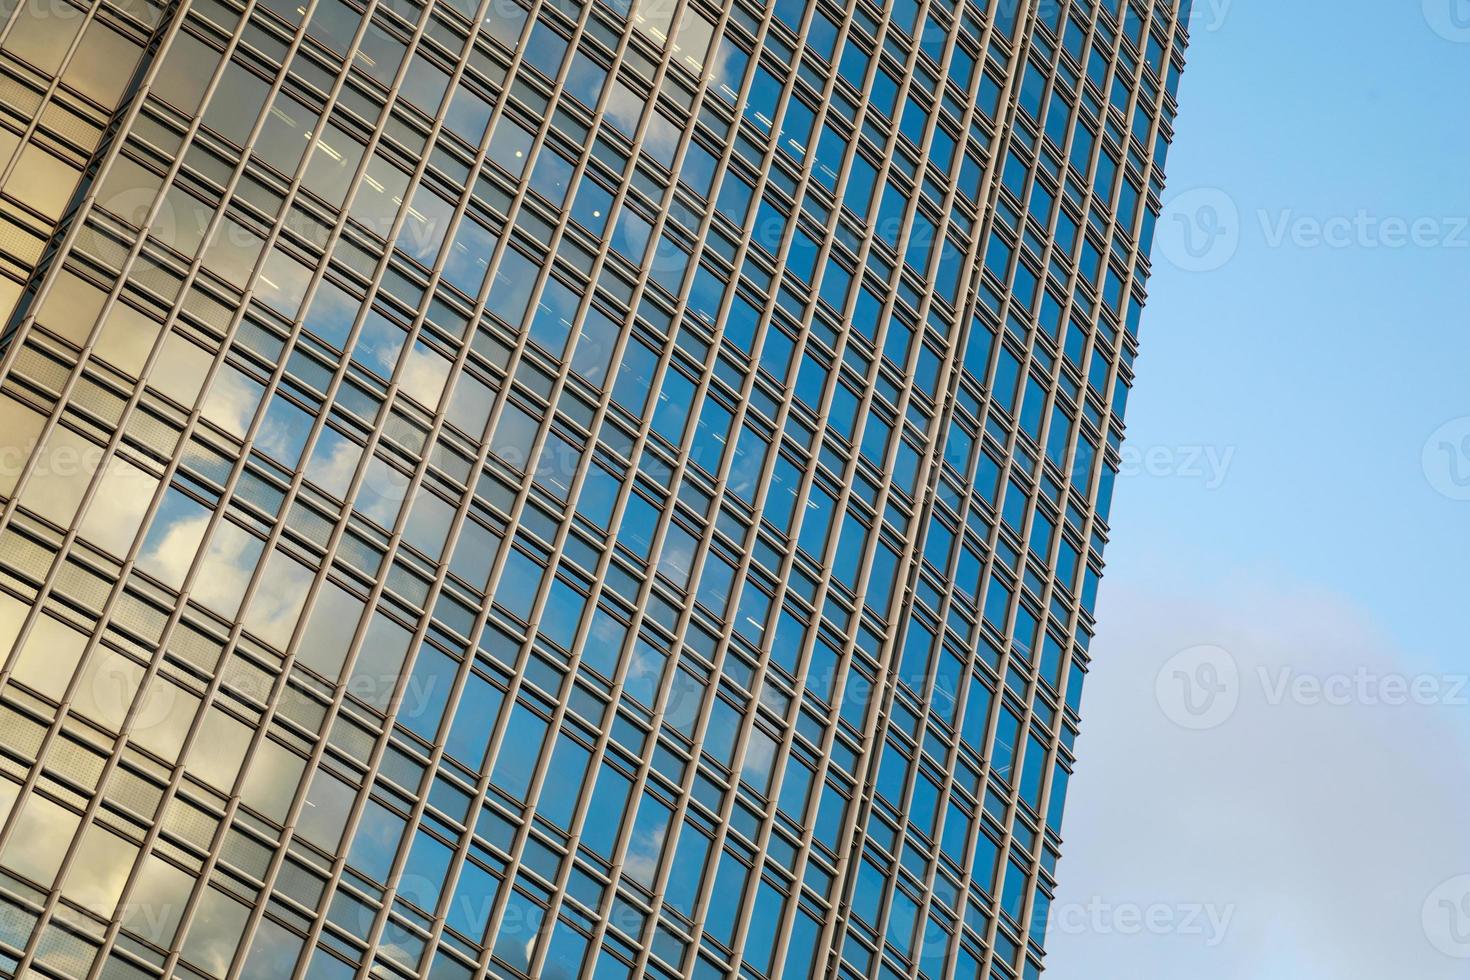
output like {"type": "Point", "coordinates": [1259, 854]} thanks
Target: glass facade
{"type": "Point", "coordinates": [562, 488]}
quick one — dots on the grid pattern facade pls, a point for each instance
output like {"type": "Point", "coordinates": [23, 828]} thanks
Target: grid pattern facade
{"type": "Point", "coordinates": [566, 489]}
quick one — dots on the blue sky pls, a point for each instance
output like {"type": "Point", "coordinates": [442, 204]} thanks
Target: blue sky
{"type": "Point", "coordinates": [1294, 530]}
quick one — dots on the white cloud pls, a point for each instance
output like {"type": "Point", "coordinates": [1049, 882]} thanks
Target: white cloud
{"type": "Point", "coordinates": [1320, 824]}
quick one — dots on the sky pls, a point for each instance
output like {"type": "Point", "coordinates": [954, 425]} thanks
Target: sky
{"type": "Point", "coordinates": [1272, 777]}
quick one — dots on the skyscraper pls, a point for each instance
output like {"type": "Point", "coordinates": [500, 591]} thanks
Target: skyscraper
{"type": "Point", "coordinates": [610, 488]}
